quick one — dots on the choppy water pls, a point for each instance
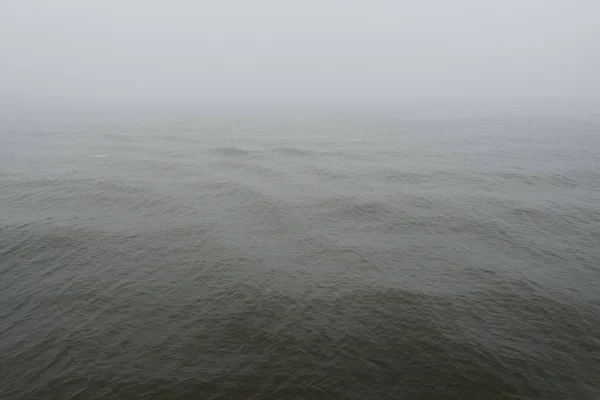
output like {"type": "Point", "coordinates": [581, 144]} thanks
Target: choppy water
{"type": "Point", "coordinates": [301, 258]}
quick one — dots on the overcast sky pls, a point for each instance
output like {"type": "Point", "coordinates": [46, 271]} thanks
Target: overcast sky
{"type": "Point", "coordinates": [75, 51]}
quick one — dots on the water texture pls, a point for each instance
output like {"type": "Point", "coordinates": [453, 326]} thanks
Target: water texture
{"type": "Point", "coordinates": [321, 258]}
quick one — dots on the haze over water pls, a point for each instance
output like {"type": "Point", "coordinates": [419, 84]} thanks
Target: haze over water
{"type": "Point", "coordinates": [299, 200]}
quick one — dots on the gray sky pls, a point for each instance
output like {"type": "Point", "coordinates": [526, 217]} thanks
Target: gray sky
{"type": "Point", "coordinates": [268, 51]}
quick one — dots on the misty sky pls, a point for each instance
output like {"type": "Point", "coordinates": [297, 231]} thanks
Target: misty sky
{"type": "Point", "coordinates": [311, 50]}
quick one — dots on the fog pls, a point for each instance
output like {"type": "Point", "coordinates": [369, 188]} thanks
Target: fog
{"type": "Point", "coordinates": [187, 54]}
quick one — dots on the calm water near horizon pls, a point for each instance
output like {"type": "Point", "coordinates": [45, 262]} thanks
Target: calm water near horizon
{"type": "Point", "coordinates": [309, 258]}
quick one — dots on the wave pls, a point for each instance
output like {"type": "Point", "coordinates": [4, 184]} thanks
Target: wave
{"type": "Point", "coordinates": [294, 151]}
{"type": "Point", "coordinates": [234, 152]}
{"type": "Point", "coordinates": [252, 341]}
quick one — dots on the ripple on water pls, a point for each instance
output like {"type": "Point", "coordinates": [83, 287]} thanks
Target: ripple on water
{"type": "Point", "coordinates": [442, 264]}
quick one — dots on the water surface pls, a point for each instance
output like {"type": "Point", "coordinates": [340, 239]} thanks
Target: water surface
{"type": "Point", "coordinates": [301, 258]}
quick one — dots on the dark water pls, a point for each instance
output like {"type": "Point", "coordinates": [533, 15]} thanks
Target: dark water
{"type": "Point", "coordinates": [259, 258]}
